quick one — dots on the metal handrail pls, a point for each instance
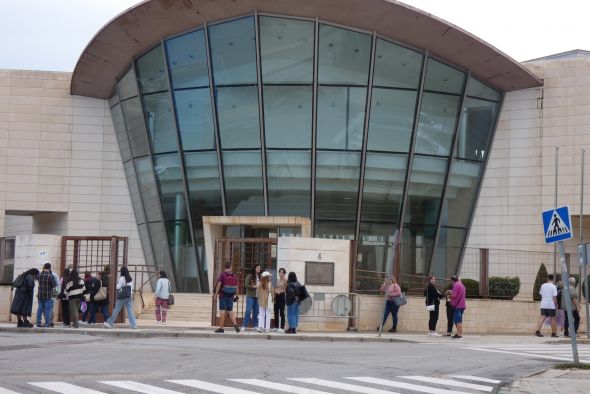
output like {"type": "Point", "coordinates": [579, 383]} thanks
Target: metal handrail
{"type": "Point", "coordinates": [144, 269]}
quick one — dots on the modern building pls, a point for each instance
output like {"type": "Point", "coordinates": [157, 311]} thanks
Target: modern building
{"type": "Point", "coordinates": [366, 119]}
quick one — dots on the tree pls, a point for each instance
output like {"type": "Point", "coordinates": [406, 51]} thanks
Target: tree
{"type": "Point", "coordinates": [539, 280]}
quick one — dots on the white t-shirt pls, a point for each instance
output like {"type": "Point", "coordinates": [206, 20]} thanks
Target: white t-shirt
{"type": "Point", "coordinates": [548, 291]}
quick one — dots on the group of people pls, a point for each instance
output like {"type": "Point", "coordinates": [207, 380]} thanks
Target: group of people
{"type": "Point", "coordinates": [553, 307]}
{"type": "Point", "coordinates": [455, 305]}
{"type": "Point", "coordinates": [88, 295]}
{"type": "Point", "coordinates": [262, 299]}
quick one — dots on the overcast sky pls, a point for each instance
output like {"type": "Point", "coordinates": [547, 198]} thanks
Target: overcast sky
{"type": "Point", "coordinates": [51, 34]}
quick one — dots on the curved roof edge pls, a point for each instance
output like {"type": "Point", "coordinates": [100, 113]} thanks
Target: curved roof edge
{"type": "Point", "coordinates": [111, 50]}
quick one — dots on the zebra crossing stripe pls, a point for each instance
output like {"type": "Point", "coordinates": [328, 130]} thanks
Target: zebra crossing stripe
{"type": "Point", "coordinates": [215, 388]}
{"type": "Point", "coordinates": [449, 382]}
{"type": "Point", "coordinates": [405, 386]}
{"type": "Point", "coordinates": [544, 356]}
{"type": "Point", "coordinates": [64, 388]}
{"type": "Point", "coordinates": [342, 386]}
{"type": "Point", "coordinates": [139, 387]}
{"type": "Point", "coordinates": [6, 391]}
{"type": "Point", "coordinates": [477, 378]}
{"type": "Point", "coordinates": [279, 386]}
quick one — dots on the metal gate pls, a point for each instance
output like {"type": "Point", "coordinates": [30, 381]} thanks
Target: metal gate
{"type": "Point", "coordinates": [244, 254]}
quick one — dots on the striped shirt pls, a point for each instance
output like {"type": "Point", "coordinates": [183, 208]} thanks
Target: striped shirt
{"type": "Point", "coordinates": [74, 291]}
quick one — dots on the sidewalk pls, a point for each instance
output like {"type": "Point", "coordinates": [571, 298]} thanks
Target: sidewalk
{"type": "Point", "coordinates": [552, 381]}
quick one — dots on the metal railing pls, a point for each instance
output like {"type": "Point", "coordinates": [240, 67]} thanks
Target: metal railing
{"type": "Point", "coordinates": [142, 276]}
{"type": "Point", "coordinates": [324, 305]}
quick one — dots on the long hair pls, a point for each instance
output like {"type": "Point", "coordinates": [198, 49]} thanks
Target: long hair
{"type": "Point", "coordinates": [33, 272]}
{"type": "Point", "coordinates": [264, 281]}
{"type": "Point", "coordinates": [254, 274]}
{"type": "Point", "coordinates": [125, 273]}
{"type": "Point", "coordinates": [74, 277]}
{"type": "Point", "coordinates": [292, 277]}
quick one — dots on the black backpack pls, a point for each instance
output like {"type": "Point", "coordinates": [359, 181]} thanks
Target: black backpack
{"type": "Point", "coordinates": [19, 281]}
{"type": "Point", "coordinates": [303, 294]}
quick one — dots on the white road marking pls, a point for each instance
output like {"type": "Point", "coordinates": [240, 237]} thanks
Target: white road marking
{"type": "Point", "coordinates": [406, 386]}
{"type": "Point", "coordinates": [64, 388]}
{"type": "Point", "coordinates": [279, 386]}
{"type": "Point", "coordinates": [6, 391]}
{"type": "Point", "coordinates": [449, 382]}
{"type": "Point", "coordinates": [544, 356]}
{"type": "Point", "coordinates": [477, 378]}
{"type": "Point", "coordinates": [215, 388]}
{"type": "Point", "coordinates": [139, 387]}
{"type": "Point", "coordinates": [342, 386]}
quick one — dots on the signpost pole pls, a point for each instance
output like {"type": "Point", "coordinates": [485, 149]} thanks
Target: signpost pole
{"type": "Point", "coordinates": [555, 204]}
{"type": "Point", "coordinates": [568, 302]}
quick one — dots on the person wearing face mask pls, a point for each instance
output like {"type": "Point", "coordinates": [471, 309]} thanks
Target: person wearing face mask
{"type": "Point", "coordinates": [433, 296]}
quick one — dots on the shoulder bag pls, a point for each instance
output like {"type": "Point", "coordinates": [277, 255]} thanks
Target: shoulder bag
{"type": "Point", "coordinates": [124, 292]}
{"type": "Point", "coordinates": [170, 295]}
{"type": "Point", "coordinates": [400, 300]}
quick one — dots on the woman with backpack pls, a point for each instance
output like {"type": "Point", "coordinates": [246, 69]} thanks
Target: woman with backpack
{"type": "Point", "coordinates": [251, 284]}
{"type": "Point", "coordinates": [63, 299]}
{"type": "Point", "coordinates": [22, 304]}
{"type": "Point", "coordinates": [75, 289]}
{"type": "Point", "coordinates": [162, 295]}
{"type": "Point", "coordinates": [124, 299]}
{"type": "Point", "coordinates": [264, 292]}
{"type": "Point", "coordinates": [391, 290]}
{"type": "Point", "coordinates": [293, 299]}
{"type": "Point", "coordinates": [433, 296]}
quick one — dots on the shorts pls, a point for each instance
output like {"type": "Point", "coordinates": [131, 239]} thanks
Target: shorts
{"type": "Point", "coordinates": [547, 312]}
{"type": "Point", "coordinates": [226, 303]}
{"type": "Point", "coordinates": [458, 315]}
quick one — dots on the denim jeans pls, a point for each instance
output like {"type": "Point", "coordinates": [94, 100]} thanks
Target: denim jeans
{"type": "Point", "coordinates": [127, 303]}
{"type": "Point", "coordinates": [390, 307]}
{"type": "Point", "coordinates": [45, 307]}
{"type": "Point", "coordinates": [251, 311]}
{"type": "Point", "coordinates": [99, 307]}
{"type": "Point", "coordinates": [293, 315]}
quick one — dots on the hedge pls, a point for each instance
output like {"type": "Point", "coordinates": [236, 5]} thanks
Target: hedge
{"type": "Point", "coordinates": [471, 287]}
{"type": "Point", "coordinates": [504, 287]}
{"type": "Point", "coordinates": [539, 280]}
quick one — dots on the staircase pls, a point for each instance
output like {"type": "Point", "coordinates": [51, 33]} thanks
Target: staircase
{"type": "Point", "coordinates": [189, 309]}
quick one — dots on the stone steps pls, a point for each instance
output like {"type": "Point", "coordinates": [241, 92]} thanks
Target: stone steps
{"type": "Point", "coordinates": [187, 308]}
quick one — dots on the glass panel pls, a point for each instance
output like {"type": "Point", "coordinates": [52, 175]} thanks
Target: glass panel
{"type": "Point", "coordinates": [477, 89]}
{"type": "Point", "coordinates": [134, 192]}
{"type": "Point", "coordinates": [436, 125]}
{"type": "Point", "coordinates": [202, 173]}
{"type": "Point", "coordinates": [183, 256]}
{"type": "Point", "coordinates": [287, 116]}
{"type": "Point", "coordinates": [461, 193]}
{"type": "Point", "coordinates": [375, 252]}
{"type": "Point", "coordinates": [392, 119]}
{"type": "Point", "coordinates": [187, 60]}
{"type": "Point", "coordinates": [344, 56]}
{"type": "Point", "coordinates": [447, 252]}
{"type": "Point", "coordinates": [121, 132]}
{"type": "Point", "coordinates": [289, 183]}
{"type": "Point", "coordinates": [237, 112]}
{"type": "Point", "coordinates": [286, 47]}
{"type": "Point", "coordinates": [396, 66]}
{"type": "Point", "coordinates": [7, 261]}
{"type": "Point", "coordinates": [476, 128]}
{"type": "Point", "coordinates": [341, 117]}
{"type": "Point", "coordinates": [171, 184]}
{"type": "Point", "coordinates": [416, 252]}
{"type": "Point", "coordinates": [146, 246]}
{"type": "Point", "coordinates": [243, 183]}
{"type": "Point", "coordinates": [127, 86]}
{"type": "Point", "coordinates": [443, 78]}
{"type": "Point", "coordinates": [200, 251]}
{"type": "Point", "coordinates": [113, 101]}
{"type": "Point", "coordinates": [233, 52]}
{"type": "Point", "coordinates": [160, 122]}
{"type": "Point", "coordinates": [149, 190]}
{"type": "Point", "coordinates": [161, 247]}
{"type": "Point", "coordinates": [425, 190]}
{"type": "Point", "coordinates": [337, 183]}
{"type": "Point", "coordinates": [136, 127]}
{"type": "Point", "coordinates": [195, 119]}
{"type": "Point", "coordinates": [151, 71]}
{"type": "Point", "coordinates": [384, 187]}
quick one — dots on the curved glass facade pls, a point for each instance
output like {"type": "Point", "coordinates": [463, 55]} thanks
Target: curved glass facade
{"type": "Point", "coordinates": [269, 115]}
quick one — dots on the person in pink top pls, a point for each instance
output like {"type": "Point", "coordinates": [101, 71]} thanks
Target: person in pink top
{"type": "Point", "coordinates": [458, 303]}
{"type": "Point", "coordinates": [391, 290]}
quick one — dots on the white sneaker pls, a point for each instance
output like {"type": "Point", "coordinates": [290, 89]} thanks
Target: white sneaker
{"type": "Point", "coordinates": [435, 334]}
{"type": "Point", "coordinates": [267, 331]}
{"type": "Point", "coordinates": [281, 331]}
{"type": "Point", "coordinates": [259, 329]}
{"type": "Point", "coordinates": [274, 330]}
{"type": "Point", "coordinates": [158, 322]}
{"type": "Point", "coordinates": [243, 329]}
{"type": "Point", "coordinates": [164, 323]}
{"type": "Point", "coordinates": [429, 333]}
{"type": "Point", "coordinates": [107, 325]}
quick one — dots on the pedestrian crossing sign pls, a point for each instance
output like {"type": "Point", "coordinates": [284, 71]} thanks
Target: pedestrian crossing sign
{"type": "Point", "coordinates": [557, 224]}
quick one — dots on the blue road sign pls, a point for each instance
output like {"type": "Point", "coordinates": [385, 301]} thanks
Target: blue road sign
{"type": "Point", "coordinates": [557, 224]}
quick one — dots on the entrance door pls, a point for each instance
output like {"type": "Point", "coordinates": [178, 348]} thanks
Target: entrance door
{"type": "Point", "coordinates": [244, 254]}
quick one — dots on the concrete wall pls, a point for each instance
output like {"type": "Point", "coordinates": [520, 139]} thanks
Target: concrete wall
{"type": "Point", "coordinates": [60, 161]}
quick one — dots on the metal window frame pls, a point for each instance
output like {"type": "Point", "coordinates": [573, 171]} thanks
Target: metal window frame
{"type": "Point", "coordinates": [314, 123]}
{"type": "Point", "coordinates": [261, 113]}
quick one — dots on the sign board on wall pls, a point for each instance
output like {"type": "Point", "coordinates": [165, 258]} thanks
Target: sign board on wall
{"type": "Point", "coordinates": [319, 273]}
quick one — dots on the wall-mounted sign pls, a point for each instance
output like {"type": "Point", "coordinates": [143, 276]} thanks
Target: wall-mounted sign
{"type": "Point", "coordinates": [319, 273]}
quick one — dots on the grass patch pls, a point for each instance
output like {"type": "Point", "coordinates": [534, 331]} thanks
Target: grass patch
{"type": "Point", "coordinates": [572, 366]}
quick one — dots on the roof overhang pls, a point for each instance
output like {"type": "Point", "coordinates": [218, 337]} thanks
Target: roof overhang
{"type": "Point", "coordinates": [111, 50]}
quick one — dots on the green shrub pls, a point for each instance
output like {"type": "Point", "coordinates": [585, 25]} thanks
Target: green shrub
{"type": "Point", "coordinates": [471, 287]}
{"type": "Point", "coordinates": [539, 280]}
{"type": "Point", "coordinates": [504, 287]}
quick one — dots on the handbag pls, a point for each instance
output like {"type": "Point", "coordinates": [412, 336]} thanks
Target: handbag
{"type": "Point", "coordinates": [431, 308]}
{"type": "Point", "coordinates": [170, 295]}
{"type": "Point", "coordinates": [400, 300]}
{"type": "Point", "coordinates": [101, 294]}
{"type": "Point", "coordinates": [124, 292]}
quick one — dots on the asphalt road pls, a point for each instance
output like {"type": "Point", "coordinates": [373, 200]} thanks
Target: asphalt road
{"type": "Point", "coordinates": [86, 361]}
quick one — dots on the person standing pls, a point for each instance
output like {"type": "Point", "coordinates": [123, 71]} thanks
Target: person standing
{"type": "Point", "coordinates": [63, 299]}
{"type": "Point", "coordinates": [101, 305]}
{"type": "Point", "coordinates": [92, 286]}
{"type": "Point", "coordinates": [450, 313]}
{"type": "Point", "coordinates": [124, 299]}
{"type": "Point", "coordinates": [74, 292]}
{"type": "Point", "coordinates": [549, 304]}
{"type": "Point", "coordinates": [251, 284]}
{"type": "Point", "coordinates": [162, 295]}
{"type": "Point", "coordinates": [264, 292]}
{"type": "Point", "coordinates": [575, 308]}
{"type": "Point", "coordinates": [433, 296]}
{"type": "Point", "coordinates": [226, 289]}
{"type": "Point", "coordinates": [391, 290]}
{"type": "Point", "coordinates": [22, 303]}
{"type": "Point", "coordinates": [45, 296]}
{"type": "Point", "coordinates": [279, 304]}
{"type": "Point", "coordinates": [293, 300]}
{"type": "Point", "coordinates": [458, 294]}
